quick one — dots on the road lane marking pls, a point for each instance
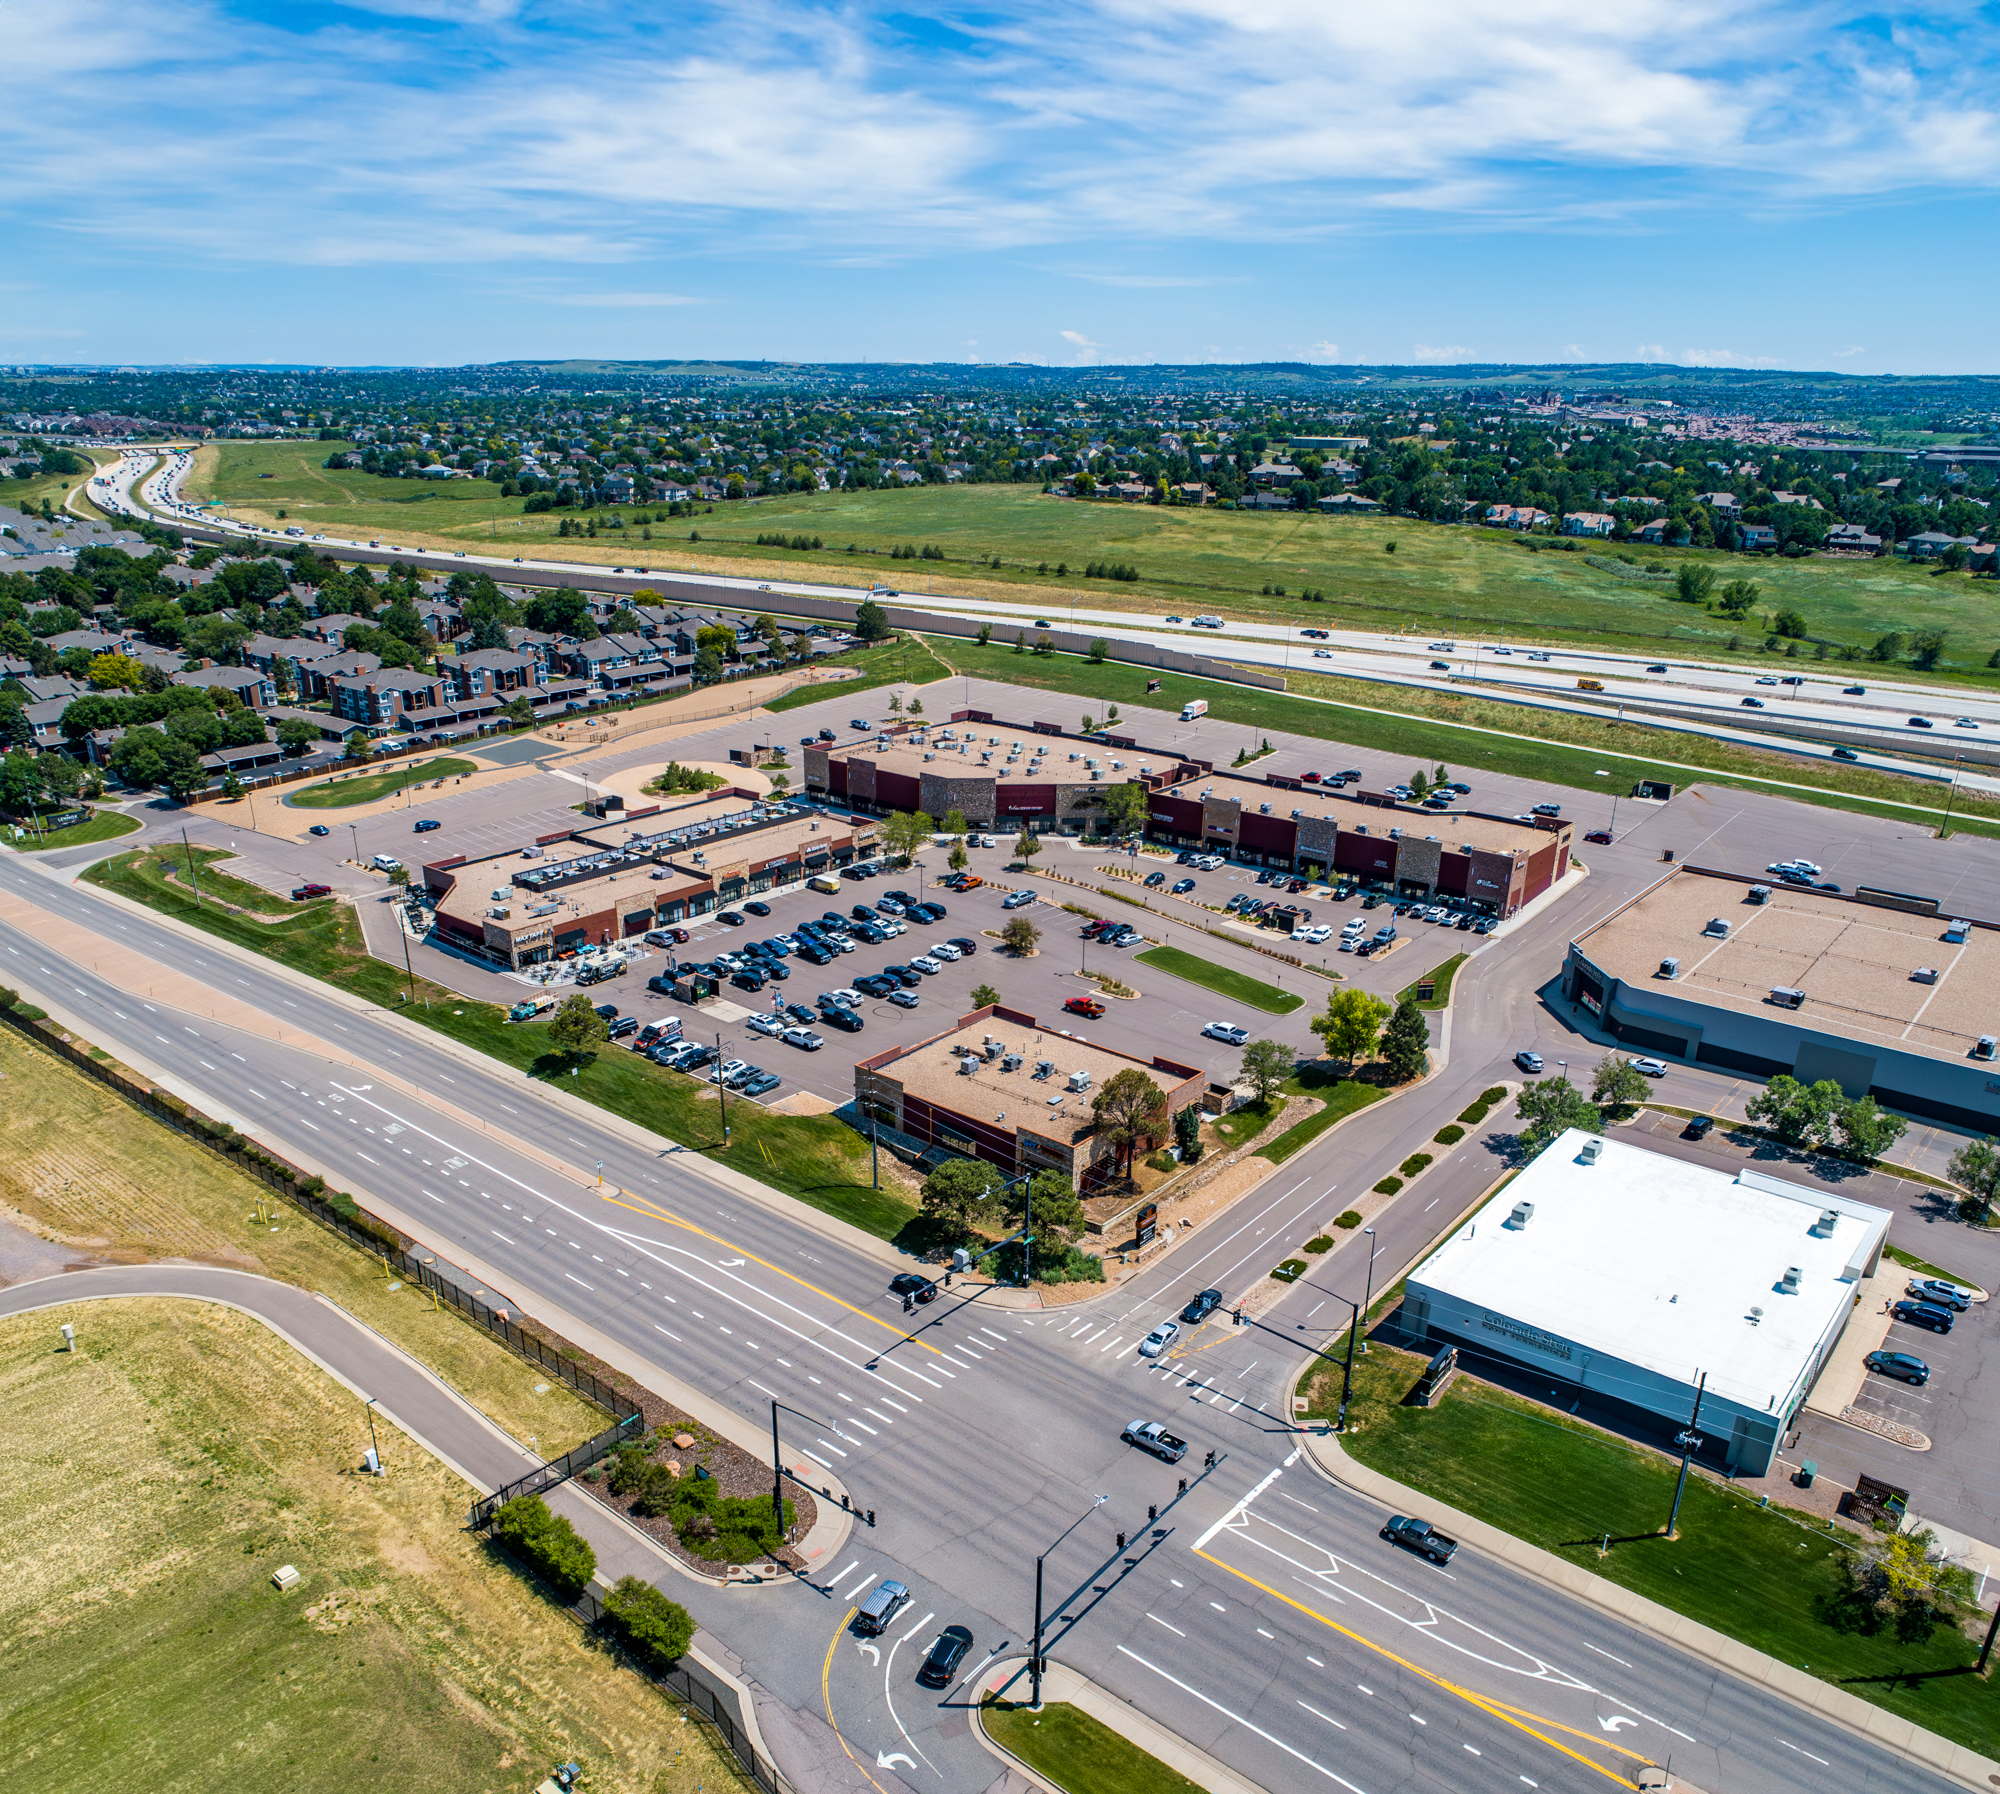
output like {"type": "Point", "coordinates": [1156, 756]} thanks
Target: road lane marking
{"type": "Point", "coordinates": [1317, 1714]}
{"type": "Point", "coordinates": [1821, 1761]}
{"type": "Point", "coordinates": [1240, 1720]}
{"type": "Point", "coordinates": [578, 1281]}
{"type": "Point", "coordinates": [1175, 1630]}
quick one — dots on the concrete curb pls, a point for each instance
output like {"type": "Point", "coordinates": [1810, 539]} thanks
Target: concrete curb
{"type": "Point", "coordinates": [1060, 1683]}
{"type": "Point", "coordinates": [1970, 1770]}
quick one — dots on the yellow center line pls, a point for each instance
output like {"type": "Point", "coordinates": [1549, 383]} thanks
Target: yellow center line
{"type": "Point", "coordinates": [826, 1695]}
{"type": "Point", "coordinates": [640, 1205]}
{"type": "Point", "coordinates": [1506, 1715]}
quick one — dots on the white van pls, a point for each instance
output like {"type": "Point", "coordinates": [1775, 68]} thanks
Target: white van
{"type": "Point", "coordinates": [386, 862]}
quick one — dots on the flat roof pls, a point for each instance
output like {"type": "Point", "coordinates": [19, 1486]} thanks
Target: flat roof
{"type": "Point", "coordinates": [1855, 962]}
{"type": "Point", "coordinates": [471, 894]}
{"type": "Point", "coordinates": [1453, 828]}
{"type": "Point", "coordinates": [1001, 751]}
{"type": "Point", "coordinates": [1661, 1262]}
{"type": "Point", "coordinates": [1018, 1099]}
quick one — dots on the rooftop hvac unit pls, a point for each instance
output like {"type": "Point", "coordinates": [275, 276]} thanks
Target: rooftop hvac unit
{"type": "Point", "coordinates": [1983, 1047]}
{"type": "Point", "coordinates": [1010, 1062]}
{"type": "Point", "coordinates": [1361, 828]}
{"type": "Point", "coordinates": [1786, 997]}
{"type": "Point", "coordinates": [1296, 814]}
{"type": "Point", "coordinates": [1524, 1212]}
{"type": "Point", "coordinates": [1075, 756]}
{"type": "Point", "coordinates": [1759, 894]}
{"type": "Point", "coordinates": [1789, 1283]}
{"type": "Point", "coordinates": [1924, 975]}
{"type": "Point", "coordinates": [1957, 931]}
{"type": "Point", "coordinates": [1395, 834]}
{"type": "Point", "coordinates": [1717, 926]}
{"type": "Point", "coordinates": [498, 915]}
{"type": "Point", "coordinates": [1263, 809]}
{"type": "Point", "coordinates": [1592, 1151]}
{"type": "Point", "coordinates": [1670, 968]}
{"type": "Point", "coordinates": [1828, 1220]}
{"type": "Point", "coordinates": [498, 895]}
{"type": "Point", "coordinates": [992, 1048]}
{"type": "Point", "coordinates": [1079, 1080]}
{"type": "Point", "coordinates": [1045, 1068]}
{"type": "Point", "coordinates": [930, 756]}
{"type": "Point", "coordinates": [968, 1065]}
{"type": "Point", "coordinates": [1430, 837]}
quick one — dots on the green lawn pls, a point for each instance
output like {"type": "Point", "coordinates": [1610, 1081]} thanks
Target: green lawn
{"type": "Point", "coordinates": [1768, 1577]}
{"type": "Point", "coordinates": [1081, 1755]}
{"type": "Point", "coordinates": [1439, 580]}
{"type": "Point", "coordinates": [1440, 977]}
{"type": "Point", "coordinates": [104, 825]}
{"type": "Point", "coordinates": [1236, 986]}
{"type": "Point", "coordinates": [1345, 1097]}
{"type": "Point", "coordinates": [1639, 753]}
{"type": "Point", "coordinates": [366, 787]}
{"type": "Point", "coordinates": [1921, 1267]}
{"type": "Point", "coordinates": [816, 1159]}
{"type": "Point", "coordinates": [904, 661]}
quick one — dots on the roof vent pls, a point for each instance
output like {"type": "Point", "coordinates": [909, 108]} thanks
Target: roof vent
{"type": "Point", "coordinates": [1983, 1047]}
{"type": "Point", "coordinates": [1786, 997]}
{"type": "Point", "coordinates": [1395, 834]}
{"type": "Point", "coordinates": [1758, 894]}
{"type": "Point", "coordinates": [1296, 814]}
{"type": "Point", "coordinates": [1361, 828]}
{"type": "Point", "coordinates": [1924, 975]}
{"type": "Point", "coordinates": [1670, 968]}
{"type": "Point", "coordinates": [1717, 926]}
{"type": "Point", "coordinates": [1755, 1317]}
{"type": "Point", "coordinates": [1263, 809]}
{"type": "Point", "coordinates": [1593, 1150]}
{"type": "Point", "coordinates": [1824, 1226]}
{"type": "Point", "coordinates": [1524, 1212]}
{"type": "Point", "coordinates": [1957, 931]}
{"type": "Point", "coordinates": [1789, 1283]}
{"type": "Point", "coordinates": [1430, 837]}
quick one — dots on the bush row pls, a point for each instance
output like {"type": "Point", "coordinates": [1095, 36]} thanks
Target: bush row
{"type": "Point", "coordinates": [547, 1543]}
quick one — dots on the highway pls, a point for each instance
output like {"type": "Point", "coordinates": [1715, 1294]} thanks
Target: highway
{"type": "Point", "coordinates": [1263, 1620]}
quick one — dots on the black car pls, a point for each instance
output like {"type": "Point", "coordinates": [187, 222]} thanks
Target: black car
{"type": "Point", "coordinates": [800, 1013]}
{"type": "Point", "coordinates": [814, 954]}
{"type": "Point", "coordinates": [609, 1011]}
{"type": "Point", "coordinates": [907, 976]}
{"type": "Point", "coordinates": [1924, 1314]}
{"type": "Point", "coordinates": [1698, 1128]}
{"type": "Point", "coordinates": [835, 1015]}
{"type": "Point", "coordinates": [1202, 1307]}
{"type": "Point", "coordinates": [1904, 1366]}
{"type": "Point", "coordinates": [758, 909]}
{"type": "Point", "coordinates": [965, 944]}
{"type": "Point", "coordinates": [867, 931]}
{"type": "Point", "coordinates": [748, 979]}
{"type": "Point", "coordinates": [862, 913]}
{"type": "Point", "coordinates": [1155, 878]}
{"type": "Point", "coordinates": [624, 1025]}
{"type": "Point", "coordinates": [874, 984]}
{"type": "Point", "coordinates": [729, 918]}
{"type": "Point", "coordinates": [773, 967]}
{"type": "Point", "coordinates": [946, 1655]}
{"type": "Point", "coordinates": [910, 1283]}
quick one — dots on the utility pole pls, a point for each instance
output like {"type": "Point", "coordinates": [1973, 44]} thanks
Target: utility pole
{"type": "Point", "coordinates": [194, 877]}
{"type": "Point", "coordinates": [1035, 1651]}
{"type": "Point", "coordinates": [1690, 1442]}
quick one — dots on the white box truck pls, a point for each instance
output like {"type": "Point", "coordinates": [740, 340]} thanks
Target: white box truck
{"type": "Point", "coordinates": [1193, 708]}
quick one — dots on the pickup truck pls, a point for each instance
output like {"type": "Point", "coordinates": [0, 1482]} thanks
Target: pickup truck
{"type": "Point", "coordinates": [527, 1010]}
{"type": "Point", "coordinates": [1149, 1435]}
{"type": "Point", "coordinates": [1419, 1536]}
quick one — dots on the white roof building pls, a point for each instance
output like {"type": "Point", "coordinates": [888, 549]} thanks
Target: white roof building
{"type": "Point", "coordinates": [1632, 1275]}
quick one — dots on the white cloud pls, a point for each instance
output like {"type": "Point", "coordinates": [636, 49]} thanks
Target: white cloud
{"type": "Point", "coordinates": [1426, 352]}
{"type": "Point", "coordinates": [1324, 351]}
{"type": "Point", "coordinates": [1650, 352]}
{"type": "Point", "coordinates": [1849, 353]}
{"type": "Point", "coordinates": [1079, 339]}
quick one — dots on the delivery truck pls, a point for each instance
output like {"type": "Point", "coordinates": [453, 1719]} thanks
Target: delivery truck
{"type": "Point", "coordinates": [1193, 708]}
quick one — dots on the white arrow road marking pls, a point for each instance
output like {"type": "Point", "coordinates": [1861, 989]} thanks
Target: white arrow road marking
{"type": "Point", "coordinates": [889, 1699]}
{"type": "Point", "coordinates": [884, 1758]}
{"type": "Point", "coordinates": [1615, 1721]}
{"type": "Point", "coordinates": [873, 1652]}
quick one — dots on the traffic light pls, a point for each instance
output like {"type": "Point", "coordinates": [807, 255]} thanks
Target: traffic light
{"type": "Point", "coordinates": [871, 1516]}
{"type": "Point", "coordinates": [1236, 1314]}
{"type": "Point", "coordinates": [909, 1307]}
{"type": "Point", "coordinates": [1183, 1489]}
{"type": "Point", "coordinates": [1152, 1511]}
{"type": "Point", "coordinates": [1121, 1541]}
{"type": "Point", "coordinates": [1208, 1463]}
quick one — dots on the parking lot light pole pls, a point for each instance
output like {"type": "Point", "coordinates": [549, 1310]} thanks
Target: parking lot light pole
{"type": "Point", "coordinates": [1035, 1654]}
{"type": "Point", "coordinates": [1368, 1233]}
{"type": "Point", "coordinates": [721, 1090]}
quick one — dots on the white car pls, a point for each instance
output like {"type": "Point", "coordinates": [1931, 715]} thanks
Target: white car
{"type": "Point", "coordinates": [766, 1024]}
{"type": "Point", "coordinates": [1226, 1031]}
{"type": "Point", "coordinates": [1653, 1068]}
{"type": "Point", "coordinates": [889, 906]}
{"type": "Point", "coordinates": [944, 950]}
{"type": "Point", "coordinates": [1159, 1339]}
{"type": "Point", "coordinates": [925, 964]}
{"type": "Point", "coordinates": [803, 1037]}
{"type": "Point", "coordinates": [846, 998]}
{"type": "Point", "coordinates": [893, 925]}
{"type": "Point", "coordinates": [1015, 899]}
{"type": "Point", "coordinates": [1966, 722]}
{"type": "Point", "coordinates": [1322, 654]}
{"type": "Point", "coordinates": [1312, 936]}
{"type": "Point", "coordinates": [1348, 941]}
{"type": "Point", "coordinates": [729, 1071]}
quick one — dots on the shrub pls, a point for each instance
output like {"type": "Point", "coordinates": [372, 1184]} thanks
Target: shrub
{"type": "Point", "coordinates": [1290, 1271]}
{"type": "Point", "coordinates": [1416, 1162]}
{"type": "Point", "coordinates": [1449, 1135]}
{"type": "Point", "coordinates": [547, 1543]}
{"type": "Point", "coordinates": [1388, 1186]}
{"type": "Point", "coordinates": [1349, 1218]}
{"type": "Point", "coordinates": [1492, 1096]}
{"type": "Point", "coordinates": [1474, 1114]}
{"type": "Point", "coordinates": [1323, 1243]}
{"type": "Point", "coordinates": [654, 1629]}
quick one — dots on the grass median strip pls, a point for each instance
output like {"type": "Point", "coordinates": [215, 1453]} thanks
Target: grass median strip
{"type": "Point", "coordinates": [1440, 981]}
{"type": "Point", "coordinates": [104, 825]}
{"type": "Point", "coordinates": [1237, 986]}
{"type": "Point", "coordinates": [1347, 1096]}
{"type": "Point", "coordinates": [1081, 1755]}
{"type": "Point", "coordinates": [820, 1161]}
{"type": "Point", "coordinates": [342, 792]}
{"type": "Point", "coordinates": [1773, 1578]}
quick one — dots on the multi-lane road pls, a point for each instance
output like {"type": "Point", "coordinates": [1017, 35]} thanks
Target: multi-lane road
{"type": "Point", "coordinates": [1258, 1615]}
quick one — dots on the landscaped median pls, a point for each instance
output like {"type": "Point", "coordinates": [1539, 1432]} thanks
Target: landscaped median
{"type": "Point", "coordinates": [1238, 987]}
{"type": "Point", "coordinates": [1572, 1504]}
{"type": "Point", "coordinates": [100, 825]}
{"type": "Point", "coordinates": [343, 791]}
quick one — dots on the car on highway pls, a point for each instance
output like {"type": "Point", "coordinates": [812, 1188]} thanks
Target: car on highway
{"type": "Point", "coordinates": [914, 1285]}
{"type": "Point", "coordinates": [1159, 1339]}
{"type": "Point", "coordinates": [1440, 666]}
{"type": "Point", "coordinates": [1419, 1536]}
{"type": "Point", "coordinates": [1965, 722]}
{"type": "Point", "coordinates": [1227, 1032]}
{"type": "Point", "coordinates": [1922, 722]}
{"type": "Point", "coordinates": [1854, 691]}
{"type": "Point", "coordinates": [1768, 679]}
{"type": "Point", "coordinates": [1322, 654]}
{"type": "Point", "coordinates": [1657, 667]}
{"type": "Point", "coordinates": [945, 1657]}
{"type": "Point", "coordinates": [1090, 1008]}
{"type": "Point", "coordinates": [302, 893]}
{"type": "Point", "coordinates": [1923, 1314]}
{"type": "Point", "coordinates": [1201, 1307]}
{"type": "Point", "coordinates": [1936, 1290]}
{"type": "Point", "coordinates": [1528, 1061]}
{"type": "Point", "coordinates": [1653, 1068]}
{"type": "Point", "coordinates": [1906, 1367]}
{"type": "Point", "coordinates": [319, 828]}
{"type": "Point", "coordinates": [1753, 703]}
{"type": "Point", "coordinates": [1017, 899]}
{"type": "Point", "coordinates": [1845, 753]}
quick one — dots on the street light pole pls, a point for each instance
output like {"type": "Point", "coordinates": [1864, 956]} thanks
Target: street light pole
{"type": "Point", "coordinates": [721, 1090]}
{"type": "Point", "coordinates": [1035, 1654]}
{"type": "Point", "coordinates": [1368, 1233]}
{"type": "Point", "coordinates": [1690, 1442]}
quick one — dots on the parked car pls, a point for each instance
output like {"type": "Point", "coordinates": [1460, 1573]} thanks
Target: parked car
{"type": "Point", "coordinates": [832, 1015]}
{"type": "Point", "coordinates": [761, 1083]}
{"type": "Point", "coordinates": [730, 918]}
{"type": "Point", "coordinates": [319, 828]}
{"type": "Point", "coordinates": [1088, 1007]}
{"type": "Point", "coordinates": [1017, 899]}
{"type": "Point", "coordinates": [1938, 1292]}
{"type": "Point", "coordinates": [804, 1039]}
{"type": "Point", "coordinates": [1155, 879]}
{"type": "Point", "coordinates": [758, 909]}
{"type": "Point", "coordinates": [1228, 1032]}
{"type": "Point", "coordinates": [424, 827]}
{"type": "Point", "coordinates": [945, 1657]}
{"type": "Point", "coordinates": [1202, 1307]}
{"type": "Point", "coordinates": [770, 1025]}
{"type": "Point", "coordinates": [904, 999]}
{"type": "Point", "coordinates": [1924, 1314]}
{"type": "Point", "coordinates": [1699, 1127]}
{"type": "Point", "coordinates": [1528, 1061]}
{"type": "Point", "coordinates": [965, 944]}
{"type": "Point", "coordinates": [1904, 1366]}
{"type": "Point", "coordinates": [1182, 886]}
{"type": "Point", "coordinates": [748, 979]}
{"type": "Point", "coordinates": [624, 1025]}
{"type": "Point", "coordinates": [304, 893]}
{"type": "Point", "coordinates": [1159, 1339]}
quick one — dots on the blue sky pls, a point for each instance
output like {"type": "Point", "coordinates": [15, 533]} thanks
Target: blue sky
{"type": "Point", "coordinates": [443, 181]}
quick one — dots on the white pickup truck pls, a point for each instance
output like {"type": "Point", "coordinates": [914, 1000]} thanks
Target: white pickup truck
{"type": "Point", "coordinates": [1149, 1435]}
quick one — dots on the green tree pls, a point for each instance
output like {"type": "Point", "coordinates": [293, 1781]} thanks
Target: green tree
{"type": "Point", "coordinates": [1126, 808]}
{"type": "Point", "coordinates": [1789, 623]}
{"type": "Point", "coordinates": [1926, 646]}
{"type": "Point", "coordinates": [984, 994]}
{"type": "Point", "coordinates": [1618, 1086]}
{"type": "Point", "coordinates": [1736, 598]}
{"type": "Point", "coordinates": [1696, 583]}
{"type": "Point", "coordinates": [654, 1628]}
{"type": "Point", "coordinates": [357, 746]}
{"type": "Point", "coordinates": [1098, 650]}
{"type": "Point", "coordinates": [871, 621]}
{"type": "Point", "coordinates": [1801, 1115]}
{"type": "Point", "coordinates": [955, 824]}
{"type": "Point", "coordinates": [1129, 1108]}
{"type": "Point", "coordinates": [1406, 1042]}
{"type": "Point", "coordinates": [1020, 935]}
{"type": "Point", "coordinates": [1266, 1065]}
{"type": "Point", "coordinates": [576, 1027]}
{"type": "Point", "coordinates": [1026, 844]}
{"type": "Point", "coordinates": [1351, 1025]}
{"type": "Point", "coordinates": [904, 831]}
{"type": "Point", "coordinates": [1975, 1168]}
{"type": "Point", "coordinates": [519, 711]}
{"type": "Point", "coordinates": [958, 859]}
{"type": "Point", "coordinates": [1057, 1215]}
{"type": "Point", "coordinates": [1419, 783]}
{"type": "Point", "coordinates": [1864, 1130]}
{"type": "Point", "coordinates": [232, 786]}
{"type": "Point", "coordinates": [1551, 1106]}
{"type": "Point", "coordinates": [1187, 1132]}
{"type": "Point", "coordinates": [182, 775]}
{"type": "Point", "coordinates": [708, 664]}
{"type": "Point", "coordinates": [962, 1195]}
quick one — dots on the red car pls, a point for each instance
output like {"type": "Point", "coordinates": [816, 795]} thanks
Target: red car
{"type": "Point", "coordinates": [1599, 834]}
{"type": "Point", "coordinates": [1086, 1006]}
{"type": "Point", "coordinates": [303, 892]}
{"type": "Point", "coordinates": [1309, 778]}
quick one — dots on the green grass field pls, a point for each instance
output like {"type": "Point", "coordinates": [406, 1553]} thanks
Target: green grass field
{"type": "Point", "coordinates": [366, 787]}
{"type": "Point", "coordinates": [1439, 977]}
{"type": "Point", "coordinates": [905, 661]}
{"type": "Point", "coordinates": [1439, 579]}
{"type": "Point", "coordinates": [1762, 1575]}
{"type": "Point", "coordinates": [1079, 1754]}
{"type": "Point", "coordinates": [1629, 752]}
{"type": "Point", "coordinates": [1341, 1101]}
{"type": "Point", "coordinates": [104, 825]}
{"type": "Point", "coordinates": [1225, 983]}
{"type": "Point", "coordinates": [816, 1159]}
